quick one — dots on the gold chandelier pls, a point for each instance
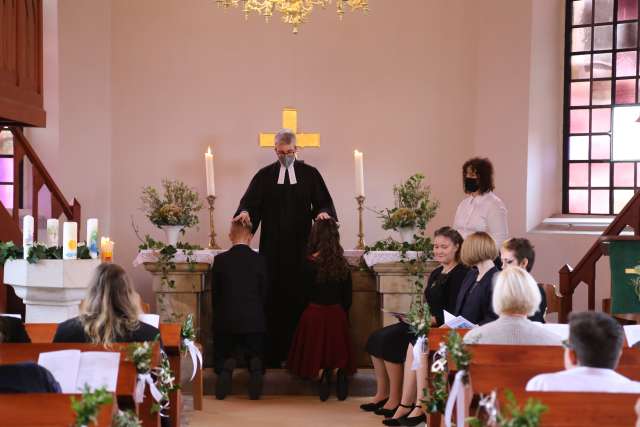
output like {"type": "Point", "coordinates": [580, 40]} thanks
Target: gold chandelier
{"type": "Point", "coordinates": [294, 12]}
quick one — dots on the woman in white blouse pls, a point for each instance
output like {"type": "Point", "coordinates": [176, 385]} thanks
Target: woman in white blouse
{"type": "Point", "coordinates": [481, 210]}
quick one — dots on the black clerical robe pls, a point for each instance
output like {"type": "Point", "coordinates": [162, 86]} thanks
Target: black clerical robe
{"type": "Point", "coordinates": [286, 212]}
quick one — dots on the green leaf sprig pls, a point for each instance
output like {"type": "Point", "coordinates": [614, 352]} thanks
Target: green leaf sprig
{"type": "Point", "coordinates": [88, 406]}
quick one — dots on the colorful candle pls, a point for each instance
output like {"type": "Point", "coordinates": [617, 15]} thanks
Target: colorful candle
{"type": "Point", "coordinates": [359, 169]}
{"type": "Point", "coordinates": [106, 249]}
{"type": "Point", "coordinates": [208, 163]}
{"type": "Point", "coordinates": [53, 230]}
{"type": "Point", "coordinates": [27, 234]}
{"type": "Point", "coordinates": [70, 240]}
{"type": "Point", "coordinates": [92, 237]}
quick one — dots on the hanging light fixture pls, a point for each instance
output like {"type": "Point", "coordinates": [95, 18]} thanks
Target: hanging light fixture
{"type": "Point", "coordinates": [294, 12]}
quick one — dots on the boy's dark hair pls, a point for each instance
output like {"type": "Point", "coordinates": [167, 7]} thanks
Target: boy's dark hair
{"type": "Point", "coordinates": [483, 169]}
{"type": "Point", "coordinates": [522, 249]}
{"type": "Point", "coordinates": [596, 338]}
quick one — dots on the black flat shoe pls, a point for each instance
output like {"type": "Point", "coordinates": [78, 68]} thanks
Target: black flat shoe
{"type": "Point", "coordinates": [223, 386]}
{"type": "Point", "coordinates": [324, 388]}
{"type": "Point", "coordinates": [414, 421]}
{"type": "Point", "coordinates": [255, 378]}
{"type": "Point", "coordinates": [371, 407]}
{"type": "Point", "coordinates": [400, 420]}
{"type": "Point", "coordinates": [387, 413]}
{"type": "Point", "coordinates": [342, 384]}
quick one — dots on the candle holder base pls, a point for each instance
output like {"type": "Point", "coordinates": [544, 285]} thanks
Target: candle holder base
{"type": "Point", "coordinates": [212, 235]}
{"type": "Point", "coordinates": [360, 245]}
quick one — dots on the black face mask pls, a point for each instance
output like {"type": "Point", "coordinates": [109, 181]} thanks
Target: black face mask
{"type": "Point", "coordinates": [471, 185]}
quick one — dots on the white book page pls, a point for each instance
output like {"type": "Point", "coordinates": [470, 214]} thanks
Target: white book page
{"type": "Point", "coordinates": [460, 323]}
{"type": "Point", "coordinates": [17, 316]}
{"type": "Point", "coordinates": [98, 369]}
{"type": "Point", "coordinates": [448, 317]}
{"type": "Point", "coordinates": [150, 319]}
{"type": "Point", "coordinates": [560, 329]}
{"type": "Point", "coordinates": [633, 334]}
{"type": "Point", "coordinates": [63, 365]}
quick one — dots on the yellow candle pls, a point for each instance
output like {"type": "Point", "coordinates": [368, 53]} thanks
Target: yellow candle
{"type": "Point", "coordinates": [208, 163]}
{"type": "Point", "coordinates": [359, 169]}
{"type": "Point", "coordinates": [106, 249]}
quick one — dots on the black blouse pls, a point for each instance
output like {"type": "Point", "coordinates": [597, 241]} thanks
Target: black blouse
{"type": "Point", "coordinates": [326, 292]}
{"type": "Point", "coordinates": [13, 330]}
{"type": "Point", "coordinates": [72, 331]}
{"type": "Point", "coordinates": [442, 290]}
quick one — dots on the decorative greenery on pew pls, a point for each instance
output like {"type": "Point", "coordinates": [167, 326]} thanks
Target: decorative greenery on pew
{"type": "Point", "coordinates": [529, 416]}
{"type": "Point", "coordinates": [419, 319]}
{"type": "Point", "coordinates": [187, 332]}
{"type": "Point", "coordinates": [87, 408]}
{"type": "Point", "coordinates": [126, 419]}
{"type": "Point", "coordinates": [140, 353]}
{"type": "Point", "coordinates": [459, 354]}
{"type": "Point", "coordinates": [9, 251]}
{"type": "Point", "coordinates": [436, 398]}
{"type": "Point", "coordinates": [166, 254]}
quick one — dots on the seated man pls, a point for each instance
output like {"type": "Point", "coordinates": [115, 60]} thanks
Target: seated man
{"type": "Point", "coordinates": [240, 295]}
{"type": "Point", "coordinates": [591, 354]}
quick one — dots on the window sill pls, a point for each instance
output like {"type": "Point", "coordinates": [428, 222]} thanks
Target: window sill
{"type": "Point", "coordinates": [577, 224]}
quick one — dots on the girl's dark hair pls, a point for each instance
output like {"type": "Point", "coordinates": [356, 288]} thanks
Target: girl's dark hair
{"type": "Point", "coordinates": [452, 235]}
{"type": "Point", "coordinates": [484, 169]}
{"type": "Point", "coordinates": [325, 241]}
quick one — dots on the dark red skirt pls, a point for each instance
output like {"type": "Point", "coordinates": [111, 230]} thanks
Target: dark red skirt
{"type": "Point", "coordinates": [321, 341]}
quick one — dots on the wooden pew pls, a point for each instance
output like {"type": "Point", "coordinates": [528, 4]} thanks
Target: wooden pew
{"type": "Point", "coordinates": [583, 409]}
{"type": "Point", "coordinates": [127, 375]}
{"type": "Point", "coordinates": [438, 335]}
{"type": "Point", "coordinates": [45, 409]}
{"type": "Point", "coordinates": [170, 335]}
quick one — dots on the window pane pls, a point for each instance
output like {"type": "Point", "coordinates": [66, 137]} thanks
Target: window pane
{"type": "Point", "coordinates": [6, 143]}
{"type": "Point", "coordinates": [625, 91]}
{"type": "Point", "coordinates": [600, 147]}
{"type": "Point", "coordinates": [602, 65]}
{"type": "Point", "coordinates": [582, 12]}
{"type": "Point", "coordinates": [627, 9]}
{"type": "Point", "coordinates": [581, 66]}
{"type": "Point", "coordinates": [578, 175]}
{"type": "Point", "coordinates": [627, 35]}
{"type": "Point", "coordinates": [626, 64]}
{"type": "Point", "coordinates": [579, 201]}
{"type": "Point", "coordinates": [6, 170]}
{"type": "Point", "coordinates": [604, 11]}
{"type": "Point", "coordinates": [6, 196]}
{"type": "Point", "coordinates": [580, 93]}
{"type": "Point", "coordinates": [626, 133]}
{"type": "Point", "coordinates": [581, 39]}
{"type": "Point", "coordinates": [600, 174]}
{"type": "Point", "coordinates": [603, 38]}
{"type": "Point", "coordinates": [579, 148]}
{"type": "Point", "coordinates": [620, 199]}
{"type": "Point", "coordinates": [599, 201]}
{"type": "Point", "coordinates": [579, 121]}
{"type": "Point", "coordinates": [623, 174]}
{"type": "Point", "coordinates": [601, 92]}
{"type": "Point", "coordinates": [601, 120]}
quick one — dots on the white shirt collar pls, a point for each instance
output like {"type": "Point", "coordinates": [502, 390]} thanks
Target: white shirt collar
{"type": "Point", "coordinates": [292, 174]}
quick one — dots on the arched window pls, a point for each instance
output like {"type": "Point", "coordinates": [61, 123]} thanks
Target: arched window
{"type": "Point", "coordinates": [602, 108]}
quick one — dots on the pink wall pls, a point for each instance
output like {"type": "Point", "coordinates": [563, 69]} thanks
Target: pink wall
{"type": "Point", "coordinates": [143, 87]}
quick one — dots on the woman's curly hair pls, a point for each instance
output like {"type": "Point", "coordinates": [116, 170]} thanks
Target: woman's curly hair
{"type": "Point", "coordinates": [325, 242]}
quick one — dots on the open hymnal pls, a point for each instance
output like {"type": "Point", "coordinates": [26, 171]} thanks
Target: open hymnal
{"type": "Point", "coordinates": [150, 319]}
{"type": "Point", "coordinates": [74, 368]}
{"type": "Point", "coordinates": [560, 329]}
{"type": "Point", "coordinates": [633, 334]}
{"type": "Point", "coordinates": [456, 322]}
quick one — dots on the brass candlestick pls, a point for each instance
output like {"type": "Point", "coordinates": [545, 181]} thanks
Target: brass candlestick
{"type": "Point", "coordinates": [212, 227]}
{"type": "Point", "coordinates": [360, 200]}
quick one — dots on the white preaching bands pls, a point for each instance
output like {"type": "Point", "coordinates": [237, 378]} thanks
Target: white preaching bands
{"type": "Point", "coordinates": [292, 175]}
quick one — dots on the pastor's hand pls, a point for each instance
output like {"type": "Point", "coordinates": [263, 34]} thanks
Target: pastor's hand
{"type": "Point", "coordinates": [243, 217]}
{"type": "Point", "coordinates": [323, 216]}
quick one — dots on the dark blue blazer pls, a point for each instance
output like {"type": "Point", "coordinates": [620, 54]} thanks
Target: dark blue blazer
{"type": "Point", "coordinates": [474, 299]}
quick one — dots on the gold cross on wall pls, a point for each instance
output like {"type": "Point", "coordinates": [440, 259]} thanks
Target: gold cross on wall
{"type": "Point", "coordinates": [290, 121]}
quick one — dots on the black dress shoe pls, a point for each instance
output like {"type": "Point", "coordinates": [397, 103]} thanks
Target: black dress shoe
{"type": "Point", "coordinates": [414, 421]}
{"type": "Point", "coordinates": [387, 413]}
{"type": "Point", "coordinates": [371, 407]}
{"type": "Point", "coordinates": [223, 386]}
{"type": "Point", "coordinates": [400, 420]}
{"type": "Point", "coordinates": [342, 385]}
{"type": "Point", "coordinates": [324, 388]}
{"type": "Point", "coordinates": [255, 378]}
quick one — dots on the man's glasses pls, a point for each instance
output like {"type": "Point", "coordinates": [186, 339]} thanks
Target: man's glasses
{"type": "Point", "coordinates": [285, 153]}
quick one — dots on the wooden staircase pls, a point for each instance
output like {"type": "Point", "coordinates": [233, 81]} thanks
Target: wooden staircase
{"type": "Point", "coordinates": [26, 187]}
{"type": "Point", "coordinates": [585, 271]}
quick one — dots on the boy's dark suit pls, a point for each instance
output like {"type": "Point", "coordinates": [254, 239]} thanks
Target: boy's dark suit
{"type": "Point", "coordinates": [239, 295]}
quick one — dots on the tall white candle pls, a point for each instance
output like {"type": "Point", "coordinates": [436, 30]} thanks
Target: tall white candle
{"type": "Point", "coordinates": [359, 166]}
{"type": "Point", "coordinates": [208, 163]}
{"type": "Point", "coordinates": [53, 230]}
{"type": "Point", "coordinates": [70, 240]}
{"type": "Point", "coordinates": [92, 237]}
{"type": "Point", "coordinates": [27, 234]}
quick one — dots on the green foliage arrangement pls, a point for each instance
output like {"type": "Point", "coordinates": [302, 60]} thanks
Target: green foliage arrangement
{"type": "Point", "coordinates": [459, 353]}
{"type": "Point", "coordinates": [140, 353]}
{"type": "Point", "coordinates": [529, 416]}
{"type": "Point", "coordinates": [88, 406]}
{"type": "Point", "coordinates": [419, 319]}
{"type": "Point", "coordinates": [166, 254]}
{"type": "Point", "coordinates": [126, 419]}
{"type": "Point", "coordinates": [165, 381]}
{"type": "Point", "coordinates": [436, 398]}
{"type": "Point", "coordinates": [187, 332]}
{"type": "Point", "coordinates": [10, 251]}
{"type": "Point", "coordinates": [414, 206]}
{"type": "Point", "coordinates": [178, 205]}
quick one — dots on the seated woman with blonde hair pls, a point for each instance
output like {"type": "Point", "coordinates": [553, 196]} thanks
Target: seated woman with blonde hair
{"type": "Point", "coordinates": [515, 297]}
{"type": "Point", "coordinates": [109, 312]}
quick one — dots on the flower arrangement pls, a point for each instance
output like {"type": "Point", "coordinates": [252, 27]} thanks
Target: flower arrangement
{"type": "Point", "coordinates": [140, 354]}
{"type": "Point", "coordinates": [435, 399]}
{"type": "Point", "coordinates": [126, 419]}
{"type": "Point", "coordinates": [419, 319]}
{"type": "Point", "coordinates": [88, 406]}
{"type": "Point", "coordinates": [165, 382]}
{"type": "Point", "coordinates": [187, 332]}
{"type": "Point", "coordinates": [528, 416]}
{"type": "Point", "coordinates": [414, 206]}
{"type": "Point", "coordinates": [459, 354]}
{"type": "Point", "coordinates": [178, 206]}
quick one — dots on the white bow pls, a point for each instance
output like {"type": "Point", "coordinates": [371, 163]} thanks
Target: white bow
{"type": "Point", "coordinates": [456, 396]}
{"type": "Point", "coordinates": [196, 356]}
{"type": "Point", "coordinates": [143, 380]}
{"type": "Point", "coordinates": [417, 353]}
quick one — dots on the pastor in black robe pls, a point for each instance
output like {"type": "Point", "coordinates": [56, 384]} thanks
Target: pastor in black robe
{"type": "Point", "coordinates": [286, 212]}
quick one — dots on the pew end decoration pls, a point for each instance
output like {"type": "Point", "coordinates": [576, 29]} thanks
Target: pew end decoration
{"type": "Point", "coordinates": [188, 344]}
{"type": "Point", "coordinates": [461, 388]}
{"type": "Point", "coordinates": [489, 415]}
{"type": "Point", "coordinates": [141, 353]}
{"type": "Point", "coordinates": [87, 407]}
{"type": "Point", "coordinates": [435, 397]}
{"type": "Point", "coordinates": [126, 419]}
